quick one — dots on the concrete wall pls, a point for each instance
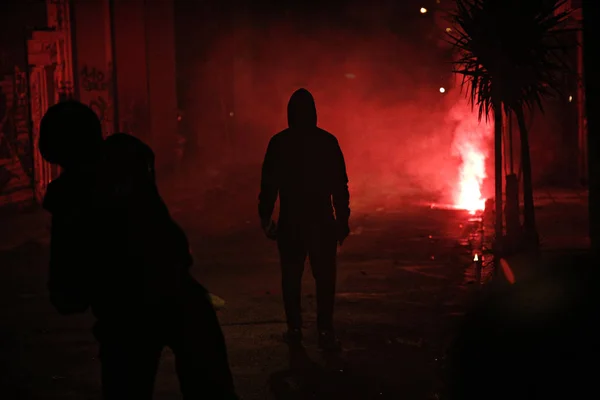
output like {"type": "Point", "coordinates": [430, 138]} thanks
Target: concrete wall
{"type": "Point", "coordinates": [162, 85]}
{"type": "Point", "coordinates": [92, 58]}
{"type": "Point", "coordinates": [129, 41]}
{"type": "Point", "coordinates": [125, 63]}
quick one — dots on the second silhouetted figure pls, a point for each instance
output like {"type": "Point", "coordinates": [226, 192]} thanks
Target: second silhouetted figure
{"type": "Point", "coordinates": [305, 166]}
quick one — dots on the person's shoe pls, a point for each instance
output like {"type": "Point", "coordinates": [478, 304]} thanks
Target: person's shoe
{"type": "Point", "coordinates": [293, 336]}
{"type": "Point", "coordinates": [329, 342]}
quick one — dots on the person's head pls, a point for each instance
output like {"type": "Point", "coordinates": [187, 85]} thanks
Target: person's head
{"type": "Point", "coordinates": [70, 135]}
{"type": "Point", "coordinates": [302, 112]}
{"type": "Point", "coordinates": [129, 165]}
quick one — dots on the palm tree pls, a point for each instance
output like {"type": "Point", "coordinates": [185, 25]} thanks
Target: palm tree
{"type": "Point", "coordinates": [510, 54]}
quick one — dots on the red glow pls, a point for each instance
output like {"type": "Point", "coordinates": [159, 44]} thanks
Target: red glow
{"type": "Point", "coordinates": [403, 140]}
{"type": "Point", "coordinates": [470, 145]}
{"type": "Point", "coordinates": [507, 270]}
{"type": "Point", "coordinates": [472, 173]}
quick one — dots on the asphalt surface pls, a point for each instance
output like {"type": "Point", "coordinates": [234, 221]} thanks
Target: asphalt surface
{"type": "Point", "coordinates": [404, 280]}
{"type": "Point", "coordinates": [403, 283]}
{"type": "Point", "coordinates": [401, 287]}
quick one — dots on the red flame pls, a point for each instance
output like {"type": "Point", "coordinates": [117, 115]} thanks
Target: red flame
{"type": "Point", "coordinates": [471, 146]}
{"type": "Point", "coordinates": [471, 175]}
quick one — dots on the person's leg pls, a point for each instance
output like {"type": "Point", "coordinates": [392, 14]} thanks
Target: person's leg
{"type": "Point", "coordinates": [322, 255]}
{"type": "Point", "coordinates": [200, 351]}
{"type": "Point", "coordinates": [129, 365]}
{"type": "Point", "coordinates": [292, 254]}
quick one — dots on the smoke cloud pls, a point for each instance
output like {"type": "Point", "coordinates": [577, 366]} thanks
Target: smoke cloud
{"type": "Point", "coordinates": [377, 90]}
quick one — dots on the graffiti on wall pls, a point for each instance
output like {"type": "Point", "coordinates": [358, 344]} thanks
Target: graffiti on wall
{"type": "Point", "coordinates": [97, 91]}
{"type": "Point", "coordinates": [15, 152]}
{"type": "Point", "coordinates": [56, 13]}
{"type": "Point", "coordinates": [62, 81]}
{"type": "Point", "coordinates": [21, 121]}
{"type": "Point", "coordinates": [50, 48]}
{"type": "Point", "coordinates": [6, 149]}
{"type": "Point", "coordinates": [93, 79]}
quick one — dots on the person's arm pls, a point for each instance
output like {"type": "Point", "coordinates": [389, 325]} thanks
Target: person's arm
{"type": "Point", "coordinates": [66, 279]}
{"type": "Point", "coordinates": [340, 193]}
{"type": "Point", "coordinates": [269, 187]}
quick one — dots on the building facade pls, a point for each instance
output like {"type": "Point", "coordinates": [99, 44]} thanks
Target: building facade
{"type": "Point", "coordinates": [117, 56]}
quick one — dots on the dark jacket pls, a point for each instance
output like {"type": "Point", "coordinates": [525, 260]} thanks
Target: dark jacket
{"type": "Point", "coordinates": [72, 239]}
{"type": "Point", "coordinates": [114, 246]}
{"type": "Point", "coordinates": [305, 166]}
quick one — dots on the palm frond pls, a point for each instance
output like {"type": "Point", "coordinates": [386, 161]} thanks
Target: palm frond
{"type": "Point", "coordinates": [509, 51]}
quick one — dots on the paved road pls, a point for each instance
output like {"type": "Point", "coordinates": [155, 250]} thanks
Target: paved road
{"type": "Point", "coordinates": [400, 287]}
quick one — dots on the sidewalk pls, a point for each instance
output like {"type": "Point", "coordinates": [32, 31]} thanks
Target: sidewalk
{"type": "Point", "coordinates": [563, 226]}
{"type": "Point", "coordinates": [562, 219]}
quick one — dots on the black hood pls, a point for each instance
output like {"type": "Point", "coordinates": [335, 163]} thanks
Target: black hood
{"type": "Point", "coordinates": [302, 112]}
{"type": "Point", "coordinates": [70, 135]}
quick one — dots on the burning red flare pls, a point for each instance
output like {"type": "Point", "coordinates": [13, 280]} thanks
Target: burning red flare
{"type": "Point", "coordinates": [470, 145]}
{"type": "Point", "coordinates": [472, 174]}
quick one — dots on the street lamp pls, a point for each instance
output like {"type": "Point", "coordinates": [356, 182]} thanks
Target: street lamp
{"type": "Point", "coordinates": [423, 10]}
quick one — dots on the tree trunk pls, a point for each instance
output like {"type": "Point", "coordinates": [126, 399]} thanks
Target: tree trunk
{"type": "Point", "coordinates": [498, 175]}
{"type": "Point", "coordinates": [511, 189]}
{"type": "Point", "coordinates": [529, 226]}
{"type": "Point", "coordinates": [512, 214]}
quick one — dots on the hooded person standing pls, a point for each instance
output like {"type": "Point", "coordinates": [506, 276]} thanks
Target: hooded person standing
{"type": "Point", "coordinates": [305, 167]}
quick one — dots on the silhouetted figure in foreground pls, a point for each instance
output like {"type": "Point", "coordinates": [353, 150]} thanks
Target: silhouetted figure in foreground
{"type": "Point", "coordinates": [536, 339]}
{"type": "Point", "coordinates": [116, 248]}
{"type": "Point", "coordinates": [305, 166]}
{"type": "Point", "coordinates": [71, 137]}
